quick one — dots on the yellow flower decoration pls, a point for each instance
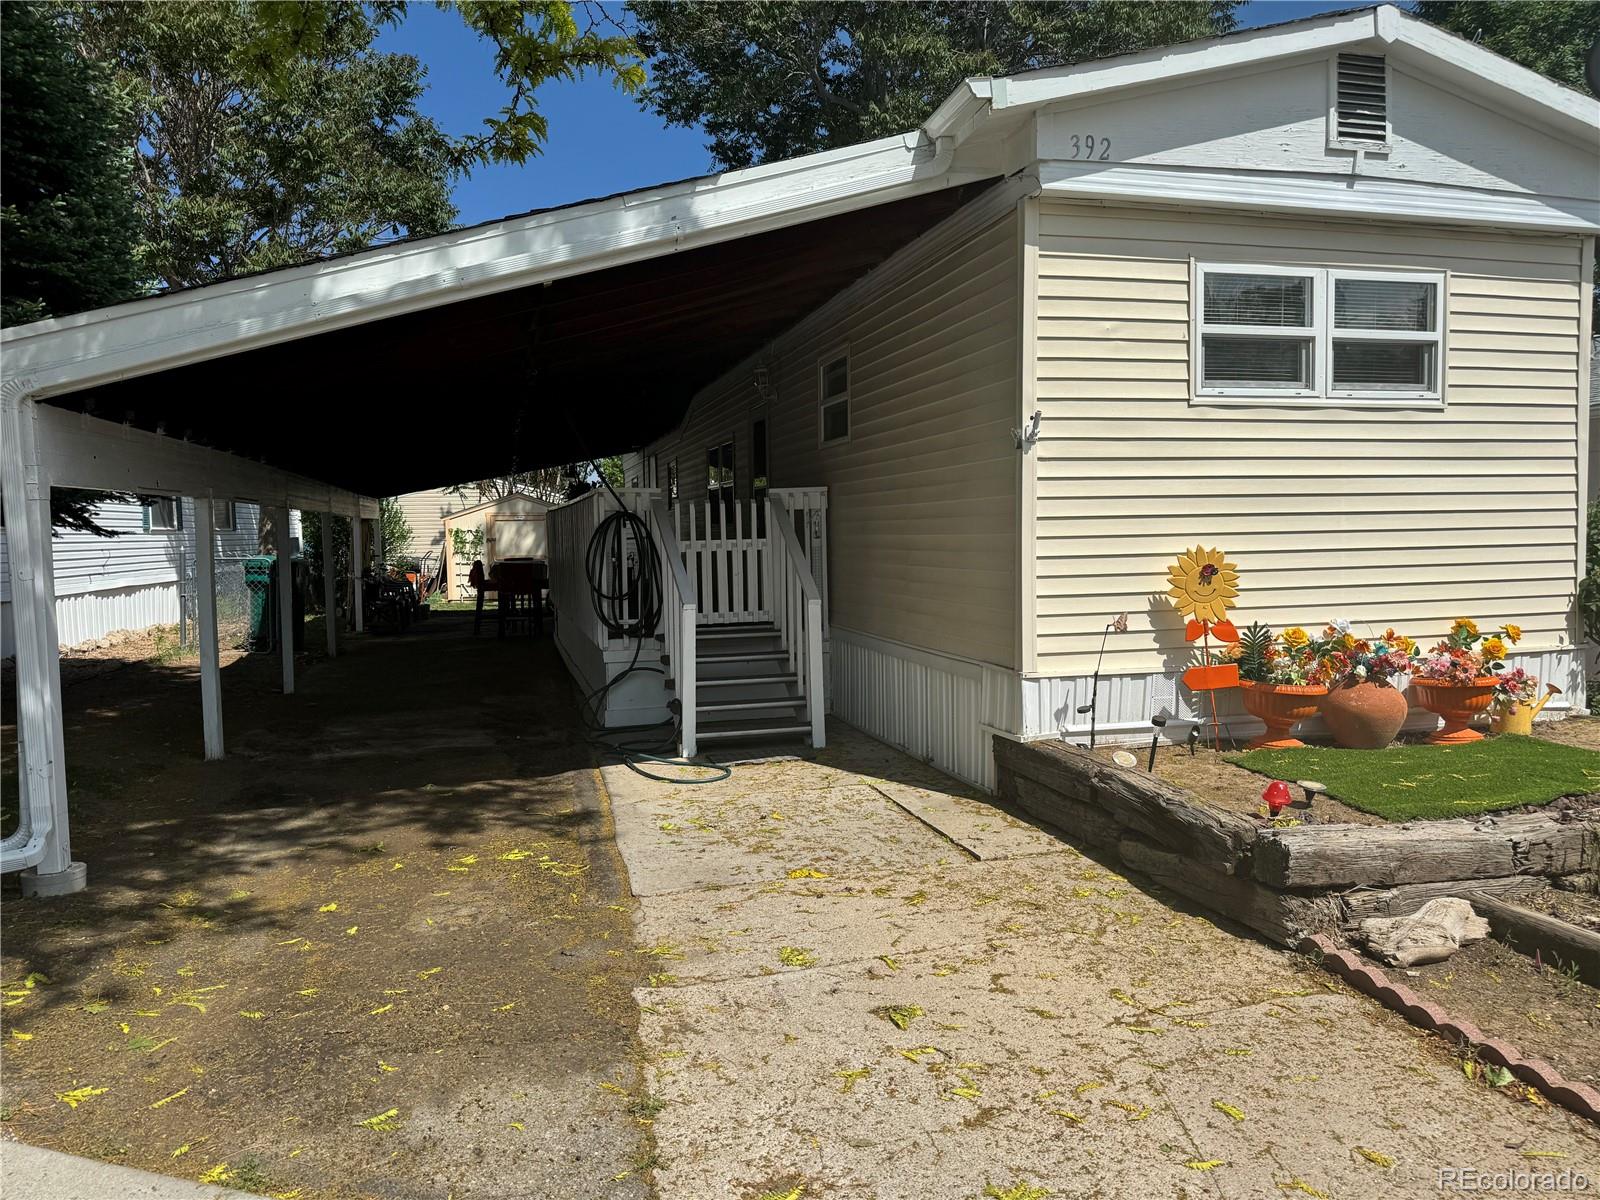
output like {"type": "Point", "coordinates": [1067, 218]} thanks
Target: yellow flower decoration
{"type": "Point", "coordinates": [1465, 625]}
{"type": "Point", "coordinates": [1514, 632]}
{"type": "Point", "coordinates": [1493, 649]}
{"type": "Point", "coordinates": [1295, 638]}
{"type": "Point", "coordinates": [1204, 584]}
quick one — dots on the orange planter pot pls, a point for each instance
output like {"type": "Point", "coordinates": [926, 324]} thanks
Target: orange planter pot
{"type": "Point", "coordinates": [1364, 716]}
{"type": "Point", "coordinates": [1457, 704]}
{"type": "Point", "coordinates": [1280, 706]}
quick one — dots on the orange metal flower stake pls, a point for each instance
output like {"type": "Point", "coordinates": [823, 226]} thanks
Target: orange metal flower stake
{"type": "Point", "coordinates": [1204, 587]}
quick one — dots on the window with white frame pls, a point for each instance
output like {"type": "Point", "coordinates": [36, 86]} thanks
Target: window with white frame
{"type": "Point", "coordinates": [1272, 333]}
{"type": "Point", "coordinates": [162, 513]}
{"type": "Point", "coordinates": [833, 397]}
{"type": "Point", "coordinates": [223, 515]}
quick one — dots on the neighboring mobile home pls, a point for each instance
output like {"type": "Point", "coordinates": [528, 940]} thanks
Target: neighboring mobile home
{"type": "Point", "coordinates": [1318, 294]}
{"type": "Point", "coordinates": [131, 581]}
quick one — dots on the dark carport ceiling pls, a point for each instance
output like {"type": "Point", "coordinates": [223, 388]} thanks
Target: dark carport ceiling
{"type": "Point", "coordinates": [588, 365]}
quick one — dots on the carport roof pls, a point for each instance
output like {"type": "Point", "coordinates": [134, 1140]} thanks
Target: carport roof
{"type": "Point", "coordinates": [534, 340]}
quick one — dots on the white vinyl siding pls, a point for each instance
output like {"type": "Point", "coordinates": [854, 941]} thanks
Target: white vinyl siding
{"type": "Point", "coordinates": [425, 513]}
{"type": "Point", "coordinates": [922, 499]}
{"type": "Point", "coordinates": [1404, 516]}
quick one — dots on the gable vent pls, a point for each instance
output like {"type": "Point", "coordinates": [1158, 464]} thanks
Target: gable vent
{"type": "Point", "coordinates": [1362, 100]}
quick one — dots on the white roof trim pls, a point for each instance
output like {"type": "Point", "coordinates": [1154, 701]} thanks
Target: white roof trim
{"type": "Point", "coordinates": [69, 353]}
{"type": "Point", "coordinates": [483, 504]}
{"type": "Point", "coordinates": [1337, 196]}
{"type": "Point", "coordinates": [1515, 87]}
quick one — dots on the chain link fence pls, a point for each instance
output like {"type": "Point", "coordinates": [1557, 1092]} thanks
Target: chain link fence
{"type": "Point", "coordinates": [242, 604]}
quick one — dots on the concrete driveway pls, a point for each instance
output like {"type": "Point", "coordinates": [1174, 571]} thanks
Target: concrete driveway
{"type": "Point", "coordinates": [869, 983]}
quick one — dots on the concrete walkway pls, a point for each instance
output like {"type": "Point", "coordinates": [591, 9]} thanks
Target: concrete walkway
{"type": "Point", "coordinates": [869, 983]}
{"type": "Point", "coordinates": [50, 1175]}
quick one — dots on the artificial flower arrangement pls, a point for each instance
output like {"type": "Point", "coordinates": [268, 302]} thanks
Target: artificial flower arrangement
{"type": "Point", "coordinates": [1512, 688]}
{"type": "Point", "coordinates": [1465, 674]}
{"type": "Point", "coordinates": [1466, 656]}
{"type": "Point", "coordinates": [1344, 658]}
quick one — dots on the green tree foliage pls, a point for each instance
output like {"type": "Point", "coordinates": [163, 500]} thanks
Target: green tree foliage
{"type": "Point", "coordinates": [1548, 36]}
{"type": "Point", "coordinates": [773, 80]}
{"type": "Point", "coordinates": [265, 135]}
{"type": "Point", "coordinates": [396, 531]}
{"type": "Point", "coordinates": [67, 226]}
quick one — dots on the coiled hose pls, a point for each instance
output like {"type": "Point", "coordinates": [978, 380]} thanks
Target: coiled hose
{"type": "Point", "coordinates": [631, 608]}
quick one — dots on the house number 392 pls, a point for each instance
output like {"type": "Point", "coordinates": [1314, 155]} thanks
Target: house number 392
{"type": "Point", "coordinates": [1089, 146]}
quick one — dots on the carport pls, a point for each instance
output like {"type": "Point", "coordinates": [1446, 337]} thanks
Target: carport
{"type": "Point", "coordinates": [574, 332]}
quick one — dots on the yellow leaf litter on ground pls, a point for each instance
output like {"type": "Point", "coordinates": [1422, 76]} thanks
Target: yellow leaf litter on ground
{"type": "Point", "coordinates": [383, 1121]}
{"type": "Point", "coordinates": [78, 1096]}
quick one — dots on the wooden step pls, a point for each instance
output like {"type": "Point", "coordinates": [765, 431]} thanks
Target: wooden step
{"type": "Point", "coordinates": [775, 702]}
{"type": "Point", "coordinates": [740, 730]}
{"type": "Point", "coordinates": [735, 656]}
{"type": "Point", "coordinates": [739, 680]}
{"type": "Point", "coordinates": [704, 633]}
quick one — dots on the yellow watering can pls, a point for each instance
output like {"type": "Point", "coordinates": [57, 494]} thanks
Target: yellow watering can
{"type": "Point", "coordinates": [1519, 717]}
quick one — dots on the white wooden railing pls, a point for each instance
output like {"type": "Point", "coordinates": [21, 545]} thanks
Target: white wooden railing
{"type": "Point", "coordinates": [796, 611]}
{"type": "Point", "coordinates": [725, 551]}
{"type": "Point", "coordinates": [725, 547]}
{"type": "Point", "coordinates": [569, 529]}
{"type": "Point", "coordinates": [679, 617]}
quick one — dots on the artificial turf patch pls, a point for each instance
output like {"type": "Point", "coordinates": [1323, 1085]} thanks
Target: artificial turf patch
{"type": "Point", "coordinates": [1405, 783]}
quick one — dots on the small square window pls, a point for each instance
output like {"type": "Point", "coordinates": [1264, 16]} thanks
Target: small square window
{"type": "Point", "coordinates": [833, 397]}
{"type": "Point", "coordinates": [162, 514]}
{"type": "Point", "coordinates": [223, 516]}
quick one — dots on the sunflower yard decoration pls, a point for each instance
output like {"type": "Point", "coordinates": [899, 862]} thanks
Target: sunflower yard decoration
{"type": "Point", "coordinates": [1204, 586]}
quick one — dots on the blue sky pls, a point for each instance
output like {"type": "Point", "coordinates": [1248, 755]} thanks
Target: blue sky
{"type": "Point", "coordinates": [600, 140]}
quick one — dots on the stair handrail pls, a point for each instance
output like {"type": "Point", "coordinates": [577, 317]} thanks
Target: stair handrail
{"type": "Point", "coordinates": [679, 616]}
{"type": "Point", "coordinates": [797, 612]}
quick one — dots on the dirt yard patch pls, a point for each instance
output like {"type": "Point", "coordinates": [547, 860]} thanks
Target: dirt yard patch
{"type": "Point", "coordinates": [385, 948]}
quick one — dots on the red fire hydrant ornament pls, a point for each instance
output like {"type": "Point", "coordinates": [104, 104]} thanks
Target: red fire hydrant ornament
{"type": "Point", "coordinates": [1277, 796]}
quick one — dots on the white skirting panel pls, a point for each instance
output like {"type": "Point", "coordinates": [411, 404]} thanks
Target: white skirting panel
{"type": "Point", "coordinates": [84, 616]}
{"type": "Point", "coordinates": [636, 698]}
{"type": "Point", "coordinates": [939, 709]}
{"type": "Point", "coordinates": [1127, 702]}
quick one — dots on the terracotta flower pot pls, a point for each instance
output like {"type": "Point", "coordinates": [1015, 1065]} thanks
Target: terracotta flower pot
{"type": "Point", "coordinates": [1457, 704]}
{"type": "Point", "coordinates": [1364, 716]}
{"type": "Point", "coordinates": [1280, 706]}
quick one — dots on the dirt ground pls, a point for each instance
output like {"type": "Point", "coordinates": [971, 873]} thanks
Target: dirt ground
{"type": "Point", "coordinates": [1542, 1012]}
{"type": "Point", "coordinates": [384, 949]}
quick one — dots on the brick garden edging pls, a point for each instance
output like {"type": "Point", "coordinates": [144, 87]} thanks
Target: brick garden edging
{"type": "Point", "coordinates": [1535, 1072]}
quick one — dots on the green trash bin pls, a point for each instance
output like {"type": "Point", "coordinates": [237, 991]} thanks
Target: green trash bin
{"type": "Point", "coordinates": [261, 580]}
{"type": "Point", "coordinates": [259, 573]}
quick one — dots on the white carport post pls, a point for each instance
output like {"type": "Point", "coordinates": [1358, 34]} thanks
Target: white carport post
{"type": "Point", "coordinates": [285, 549]}
{"type": "Point", "coordinates": [42, 843]}
{"type": "Point", "coordinates": [330, 586]}
{"type": "Point", "coordinates": [355, 571]}
{"type": "Point", "coordinates": [205, 571]}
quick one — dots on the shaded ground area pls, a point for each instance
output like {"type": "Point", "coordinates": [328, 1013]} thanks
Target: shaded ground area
{"type": "Point", "coordinates": [871, 985]}
{"type": "Point", "coordinates": [383, 950]}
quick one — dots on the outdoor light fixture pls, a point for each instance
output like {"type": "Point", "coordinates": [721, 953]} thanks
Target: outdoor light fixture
{"type": "Point", "coordinates": [1027, 436]}
{"type": "Point", "coordinates": [762, 381]}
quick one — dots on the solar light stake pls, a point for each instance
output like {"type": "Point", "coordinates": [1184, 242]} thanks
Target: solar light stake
{"type": "Point", "coordinates": [1120, 624]}
{"type": "Point", "coordinates": [1160, 722]}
